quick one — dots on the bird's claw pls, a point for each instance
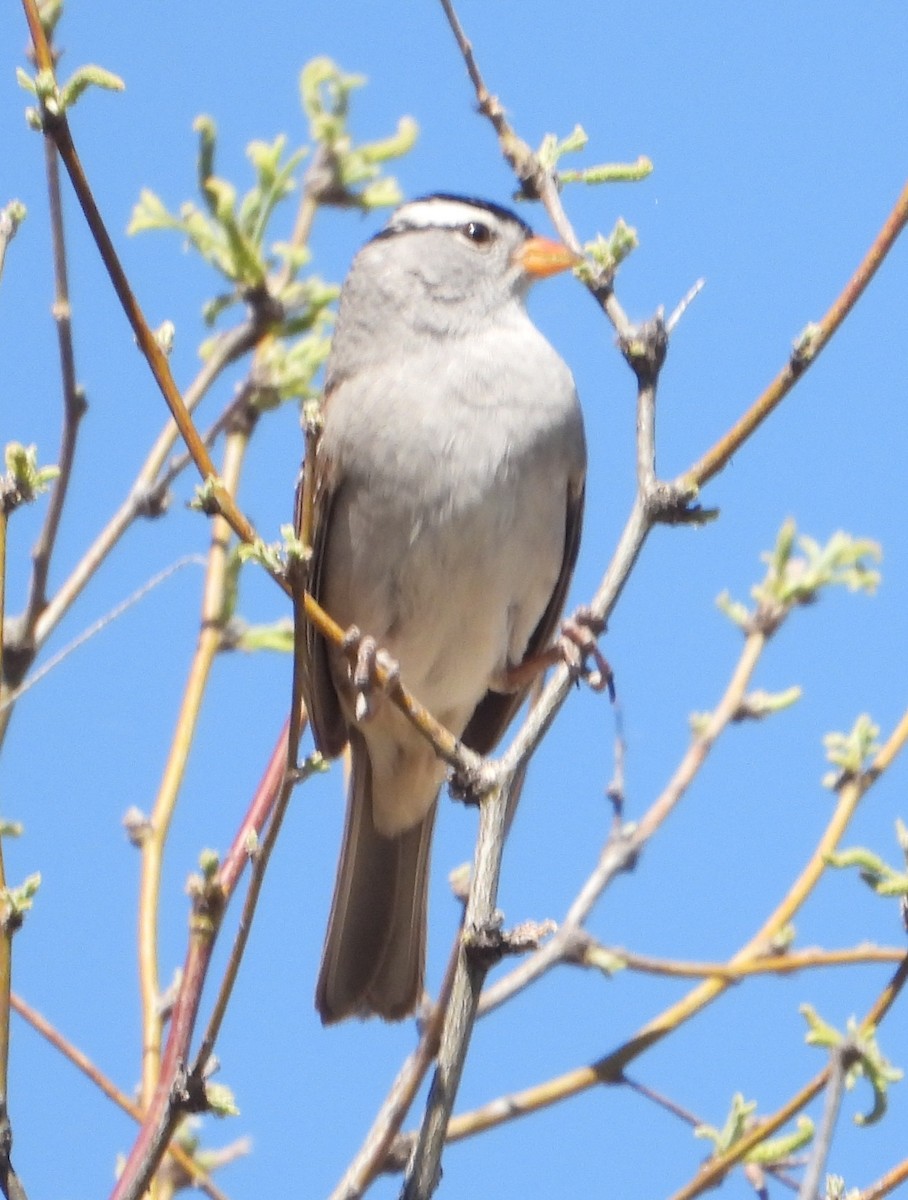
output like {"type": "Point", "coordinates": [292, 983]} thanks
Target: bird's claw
{"type": "Point", "coordinates": [371, 669]}
{"type": "Point", "coordinates": [578, 644]}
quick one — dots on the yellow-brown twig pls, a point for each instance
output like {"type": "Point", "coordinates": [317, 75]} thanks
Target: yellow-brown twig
{"type": "Point", "coordinates": [714, 1170]}
{"type": "Point", "coordinates": [887, 1184]}
{"type": "Point", "coordinates": [155, 837]}
{"type": "Point", "coordinates": [609, 1068]}
{"type": "Point", "coordinates": [813, 342]}
{"type": "Point", "coordinates": [771, 964]}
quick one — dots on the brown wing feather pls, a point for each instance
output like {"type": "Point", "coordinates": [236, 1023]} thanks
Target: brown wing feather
{"type": "Point", "coordinates": [496, 710]}
{"type": "Point", "coordinates": [325, 715]}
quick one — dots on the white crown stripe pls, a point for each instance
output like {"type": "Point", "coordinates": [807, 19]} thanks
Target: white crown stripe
{"type": "Point", "coordinates": [448, 212]}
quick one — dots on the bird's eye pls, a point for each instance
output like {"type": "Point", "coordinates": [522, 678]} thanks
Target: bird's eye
{"type": "Point", "coordinates": [477, 232]}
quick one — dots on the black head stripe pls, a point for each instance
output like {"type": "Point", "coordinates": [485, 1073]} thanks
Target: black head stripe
{"type": "Point", "coordinates": [496, 210]}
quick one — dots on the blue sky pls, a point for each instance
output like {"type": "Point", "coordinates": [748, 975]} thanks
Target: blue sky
{"type": "Point", "coordinates": [778, 135]}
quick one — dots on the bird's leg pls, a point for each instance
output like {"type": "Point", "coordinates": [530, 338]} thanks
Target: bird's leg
{"type": "Point", "coordinates": [366, 660]}
{"type": "Point", "coordinates": [574, 647]}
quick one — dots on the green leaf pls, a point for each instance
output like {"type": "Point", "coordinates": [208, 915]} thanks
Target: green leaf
{"type": "Point", "coordinates": [15, 902]}
{"type": "Point", "coordinates": [26, 81]}
{"type": "Point", "coordinates": [877, 874]}
{"type": "Point", "coordinates": [864, 1059]}
{"type": "Point", "coordinates": [609, 252]}
{"type": "Point", "coordinates": [736, 1124]}
{"type": "Point", "coordinates": [609, 173]}
{"type": "Point", "coordinates": [205, 127]}
{"type": "Point", "coordinates": [277, 637]}
{"type": "Point", "coordinates": [24, 481]}
{"type": "Point", "coordinates": [776, 1151]}
{"type": "Point", "coordinates": [83, 79]}
{"type": "Point", "coordinates": [850, 752]}
{"type": "Point", "coordinates": [221, 1100]}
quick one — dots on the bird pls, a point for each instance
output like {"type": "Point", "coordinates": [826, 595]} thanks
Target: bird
{"type": "Point", "coordinates": [448, 485]}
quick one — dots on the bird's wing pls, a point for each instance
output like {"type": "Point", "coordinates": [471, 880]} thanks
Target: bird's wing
{"type": "Point", "coordinates": [322, 704]}
{"type": "Point", "coordinates": [496, 710]}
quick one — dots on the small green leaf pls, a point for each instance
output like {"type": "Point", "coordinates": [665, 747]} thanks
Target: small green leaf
{"type": "Point", "coordinates": [759, 704]}
{"type": "Point", "coordinates": [609, 173]}
{"type": "Point", "coordinates": [775, 1151]}
{"type": "Point", "coordinates": [24, 480]}
{"type": "Point", "coordinates": [736, 1124]}
{"type": "Point", "coordinates": [864, 1059]}
{"type": "Point", "coordinates": [850, 752]}
{"type": "Point", "coordinates": [83, 79]}
{"type": "Point", "coordinates": [277, 637]}
{"type": "Point", "coordinates": [15, 902]}
{"type": "Point", "coordinates": [205, 498]}
{"type": "Point", "coordinates": [269, 556]}
{"type": "Point", "coordinates": [395, 146]}
{"type": "Point", "coordinates": [604, 960]}
{"type": "Point", "coordinates": [609, 252]}
{"type": "Point", "coordinates": [221, 1100]}
{"type": "Point", "coordinates": [877, 874]}
{"type": "Point", "coordinates": [205, 127]}
{"type": "Point", "coordinates": [209, 863]}
{"type": "Point", "coordinates": [26, 81]}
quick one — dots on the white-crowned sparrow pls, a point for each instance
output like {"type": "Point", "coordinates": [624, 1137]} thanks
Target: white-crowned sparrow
{"type": "Point", "coordinates": [448, 500]}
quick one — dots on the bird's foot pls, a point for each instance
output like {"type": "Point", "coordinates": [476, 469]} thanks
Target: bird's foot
{"type": "Point", "coordinates": [578, 645]}
{"type": "Point", "coordinates": [372, 670]}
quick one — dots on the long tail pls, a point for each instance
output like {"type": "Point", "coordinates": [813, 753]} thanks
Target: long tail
{"type": "Point", "coordinates": [375, 948]}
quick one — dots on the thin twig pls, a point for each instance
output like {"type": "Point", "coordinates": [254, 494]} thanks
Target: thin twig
{"type": "Point", "coordinates": [175, 1082]}
{"type": "Point", "coordinates": [839, 1059]}
{"type": "Point", "coordinates": [805, 353]}
{"type": "Point", "coordinates": [887, 1184]}
{"type": "Point", "coordinates": [38, 1022]}
{"type": "Point", "coordinates": [715, 1169]}
{"type": "Point", "coordinates": [74, 406]}
{"type": "Point", "coordinates": [610, 1068]}
{"type": "Point", "coordinates": [97, 626]}
{"type": "Point", "coordinates": [372, 1158]}
{"type": "Point", "coordinates": [259, 857]}
{"type": "Point", "coordinates": [424, 1170]}
{"type": "Point", "coordinates": [772, 964]}
{"type": "Point", "coordinates": [624, 845]}
{"type": "Point", "coordinates": [155, 836]}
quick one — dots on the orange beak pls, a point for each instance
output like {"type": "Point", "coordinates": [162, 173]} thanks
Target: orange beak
{"type": "Point", "coordinates": [542, 256]}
